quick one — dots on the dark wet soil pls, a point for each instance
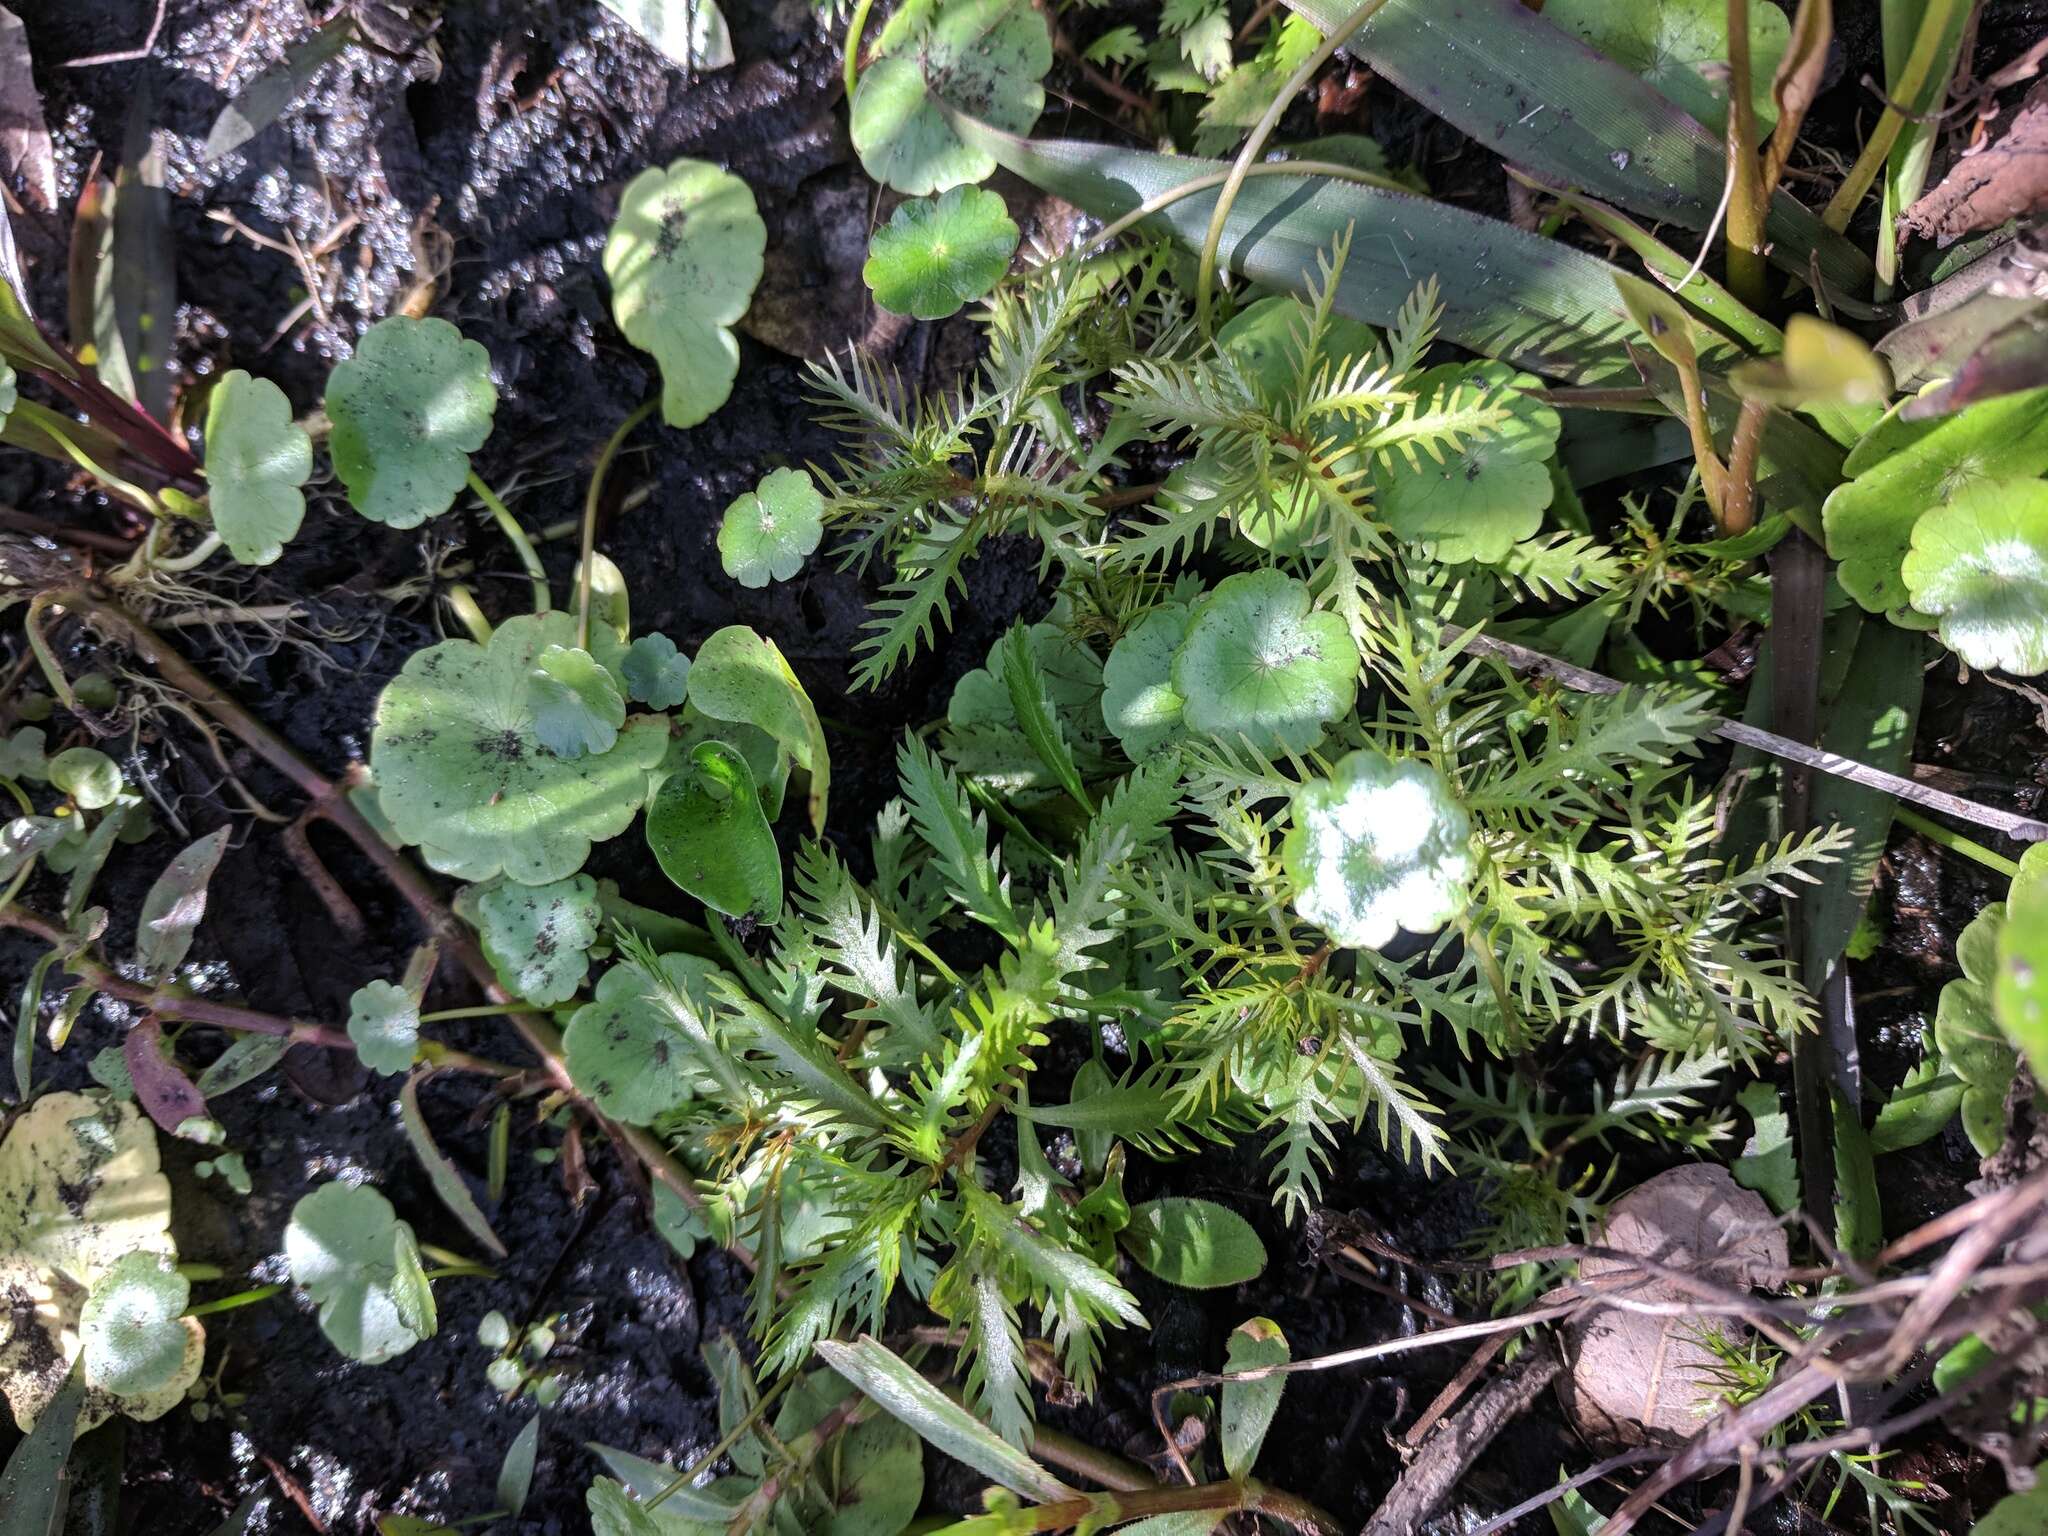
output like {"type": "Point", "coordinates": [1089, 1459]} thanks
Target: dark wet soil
{"type": "Point", "coordinates": [501, 138]}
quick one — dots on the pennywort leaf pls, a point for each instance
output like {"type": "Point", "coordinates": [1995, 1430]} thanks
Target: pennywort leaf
{"type": "Point", "coordinates": [938, 254]}
{"type": "Point", "coordinates": [683, 259]}
{"type": "Point", "coordinates": [1377, 847]}
{"type": "Point", "coordinates": [408, 410]}
{"type": "Point", "coordinates": [770, 531]}
{"type": "Point", "coordinates": [1980, 566]}
{"type": "Point", "coordinates": [257, 457]}
{"type": "Point", "coordinates": [1259, 663]}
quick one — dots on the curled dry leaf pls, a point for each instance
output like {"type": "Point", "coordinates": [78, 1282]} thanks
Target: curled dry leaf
{"type": "Point", "coordinates": [1636, 1377]}
{"type": "Point", "coordinates": [2005, 180]}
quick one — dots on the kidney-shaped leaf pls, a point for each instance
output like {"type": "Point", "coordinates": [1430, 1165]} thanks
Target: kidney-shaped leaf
{"type": "Point", "coordinates": [1258, 663]}
{"type": "Point", "coordinates": [656, 673]}
{"type": "Point", "coordinates": [683, 259]}
{"type": "Point", "coordinates": [1966, 1032]}
{"type": "Point", "coordinates": [711, 837]}
{"type": "Point", "coordinates": [131, 1325]}
{"type": "Point", "coordinates": [937, 254]}
{"type": "Point", "coordinates": [1195, 1243]}
{"type": "Point", "coordinates": [577, 705]}
{"type": "Point", "coordinates": [627, 1050]}
{"type": "Point", "coordinates": [257, 457]}
{"type": "Point", "coordinates": [461, 769]}
{"type": "Point", "coordinates": [1378, 846]}
{"type": "Point", "coordinates": [1980, 566]}
{"type": "Point", "coordinates": [384, 1023]}
{"type": "Point", "coordinates": [770, 531]}
{"type": "Point", "coordinates": [539, 936]}
{"type": "Point", "coordinates": [1482, 499]}
{"type": "Point", "coordinates": [1902, 469]}
{"type": "Point", "coordinates": [985, 57]}
{"type": "Point", "coordinates": [347, 1248]}
{"type": "Point", "coordinates": [408, 410]}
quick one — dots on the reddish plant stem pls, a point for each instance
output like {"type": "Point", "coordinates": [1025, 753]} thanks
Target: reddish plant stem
{"type": "Point", "coordinates": [167, 1001]}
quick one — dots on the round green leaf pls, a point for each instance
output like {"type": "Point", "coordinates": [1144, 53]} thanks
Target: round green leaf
{"type": "Point", "coordinates": [1258, 663]}
{"type": "Point", "coordinates": [874, 1485]}
{"type": "Point", "coordinates": [257, 457]}
{"type": "Point", "coordinates": [1138, 701]}
{"type": "Point", "coordinates": [2017, 1514]}
{"type": "Point", "coordinates": [626, 1050]}
{"type": "Point", "coordinates": [711, 837]}
{"type": "Point", "coordinates": [344, 1246]}
{"type": "Point", "coordinates": [384, 1023]}
{"type": "Point", "coordinates": [984, 57]}
{"type": "Point", "coordinates": [1377, 846]}
{"type": "Point", "coordinates": [1901, 469]}
{"type": "Point", "coordinates": [1980, 566]}
{"type": "Point", "coordinates": [770, 531]}
{"type": "Point", "coordinates": [1194, 1243]}
{"type": "Point", "coordinates": [89, 777]}
{"type": "Point", "coordinates": [538, 936]}
{"type": "Point", "coordinates": [683, 259]}
{"type": "Point", "coordinates": [462, 772]}
{"type": "Point", "coordinates": [1681, 47]}
{"type": "Point", "coordinates": [131, 1326]}
{"type": "Point", "coordinates": [577, 707]}
{"type": "Point", "coordinates": [656, 673]}
{"type": "Point", "coordinates": [1265, 338]}
{"type": "Point", "coordinates": [1488, 496]}
{"type": "Point", "coordinates": [937, 254]}
{"type": "Point", "coordinates": [408, 410]}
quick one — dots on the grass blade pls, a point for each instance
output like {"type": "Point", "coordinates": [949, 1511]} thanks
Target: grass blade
{"type": "Point", "coordinates": [900, 1391]}
{"type": "Point", "coordinates": [440, 1172]}
{"type": "Point", "coordinates": [1542, 100]}
{"type": "Point", "coordinates": [1538, 303]}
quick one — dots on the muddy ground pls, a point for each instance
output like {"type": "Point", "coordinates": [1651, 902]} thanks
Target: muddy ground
{"type": "Point", "coordinates": [510, 134]}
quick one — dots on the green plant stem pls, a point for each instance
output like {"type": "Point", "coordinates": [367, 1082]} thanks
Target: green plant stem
{"type": "Point", "coordinates": [1934, 22]}
{"type": "Point", "coordinates": [46, 657]}
{"type": "Point", "coordinates": [1747, 201]}
{"type": "Point", "coordinates": [508, 525]}
{"type": "Point", "coordinates": [330, 802]}
{"type": "Point", "coordinates": [1205, 272]}
{"type": "Point", "coordinates": [591, 498]}
{"type": "Point", "coordinates": [1955, 842]}
{"type": "Point", "coordinates": [169, 1002]}
{"type": "Point", "coordinates": [481, 1011]}
{"type": "Point", "coordinates": [246, 1298]}
{"type": "Point", "coordinates": [855, 25]}
{"type": "Point", "coordinates": [462, 603]}
{"type": "Point", "coordinates": [193, 558]}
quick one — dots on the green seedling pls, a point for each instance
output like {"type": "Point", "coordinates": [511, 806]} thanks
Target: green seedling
{"type": "Point", "coordinates": [683, 259]}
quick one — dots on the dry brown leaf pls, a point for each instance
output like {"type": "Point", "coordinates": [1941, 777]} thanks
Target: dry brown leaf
{"type": "Point", "coordinates": [1635, 1377]}
{"type": "Point", "coordinates": [2004, 180]}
